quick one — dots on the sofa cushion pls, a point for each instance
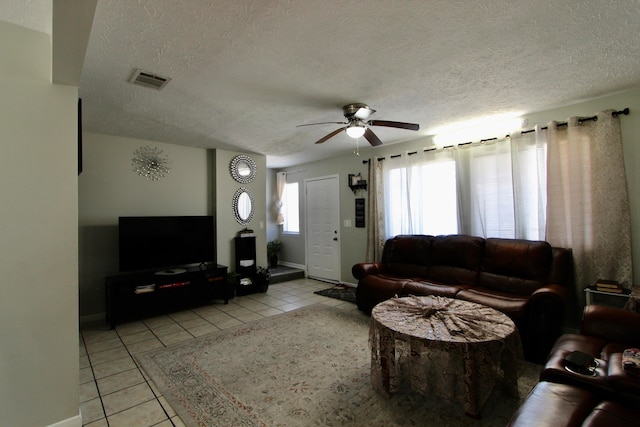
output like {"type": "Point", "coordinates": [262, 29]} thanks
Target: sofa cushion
{"type": "Point", "coordinates": [615, 325]}
{"type": "Point", "coordinates": [455, 260]}
{"type": "Point", "coordinates": [515, 266]}
{"type": "Point", "coordinates": [512, 305]}
{"type": "Point", "coordinates": [550, 404]}
{"type": "Point", "coordinates": [407, 256]}
{"type": "Point", "coordinates": [377, 287]}
{"type": "Point", "coordinates": [421, 287]}
{"type": "Point", "coordinates": [612, 414]}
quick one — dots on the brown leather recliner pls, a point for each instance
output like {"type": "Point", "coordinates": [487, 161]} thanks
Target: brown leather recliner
{"type": "Point", "coordinates": [604, 334]}
{"type": "Point", "coordinates": [563, 405]}
{"type": "Point", "coordinates": [609, 398]}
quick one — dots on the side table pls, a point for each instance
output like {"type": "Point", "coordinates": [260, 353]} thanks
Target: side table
{"type": "Point", "coordinates": [633, 304]}
{"type": "Point", "coordinates": [608, 298]}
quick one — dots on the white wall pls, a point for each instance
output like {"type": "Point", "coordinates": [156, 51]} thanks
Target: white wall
{"type": "Point", "coordinates": [226, 225]}
{"type": "Point", "coordinates": [199, 183]}
{"type": "Point", "coordinates": [109, 188]}
{"type": "Point", "coordinates": [38, 229]}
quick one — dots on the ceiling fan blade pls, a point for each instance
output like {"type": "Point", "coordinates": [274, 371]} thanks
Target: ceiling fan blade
{"type": "Point", "coordinates": [331, 135]}
{"type": "Point", "coordinates": [323, 123]}
{"type": "Point", "coordinates": [390, 124]}
{"type": "Point", "coordinates": [372, 138]}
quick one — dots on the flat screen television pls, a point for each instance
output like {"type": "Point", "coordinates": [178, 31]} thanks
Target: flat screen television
{"type": "Point", "coordinates": [164, 242]}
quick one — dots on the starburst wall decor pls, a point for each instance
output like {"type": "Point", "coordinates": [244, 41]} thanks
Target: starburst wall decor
{"type": "Point", "coordinates": [150, 162]}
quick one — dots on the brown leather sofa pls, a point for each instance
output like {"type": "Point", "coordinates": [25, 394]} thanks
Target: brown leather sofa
{"type": "Point", "coordinates": [527, 280]}
{"type": "Point", "coordinates": [609, 398]}
{"type": "Point", "coordinates": [563, 405]}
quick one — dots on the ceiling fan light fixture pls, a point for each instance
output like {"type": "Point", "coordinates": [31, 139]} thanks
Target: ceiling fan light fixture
{"type": "Point", "coordinates": [356, 131]}
{"type": "Point", "coordinates": [358, 124]}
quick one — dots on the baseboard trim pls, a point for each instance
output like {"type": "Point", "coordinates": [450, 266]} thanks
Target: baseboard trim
{"type": "Point", "coordinates": [306, 274]}
{"type": "Point", "coordinates": [322, 279]}
{"type": "Point", "coordinates": [92, 318]}
{"type": "Point", "coordinates": [293, 265]}
{"type": "Point", "coordinates": [69, 422]}
{"type": "Point", "coordinates": [351, 285]}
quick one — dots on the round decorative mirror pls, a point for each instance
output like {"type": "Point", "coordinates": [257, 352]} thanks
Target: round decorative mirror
{"type": "Point", "coordinates": [243, 169]}
{"type": "Point", "coordinates": [243, 206]}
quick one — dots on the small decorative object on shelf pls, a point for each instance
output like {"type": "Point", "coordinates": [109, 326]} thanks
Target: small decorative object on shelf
{"type": "Point", "coordinates": [246, 233]}
{"type": "Point", "coordinates": [273, 247]}
{"type": "Point", "coordinates": [357, 183]}
{"type": "Point", "coordinates": [150, 162]}
{"type": "Point", "coordinates": [360, 209]}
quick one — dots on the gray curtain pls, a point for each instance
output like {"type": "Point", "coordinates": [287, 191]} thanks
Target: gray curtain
{"type": "Point", "coordinates": [281, 182]}
{"type": "Point", "coordinates": [587, 199]}
{"type": "Point", "coordinates": [375, 212]}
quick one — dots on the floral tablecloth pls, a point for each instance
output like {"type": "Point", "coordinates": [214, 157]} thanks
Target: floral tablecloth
{"type": "Point", "coordinates": [455, 349]}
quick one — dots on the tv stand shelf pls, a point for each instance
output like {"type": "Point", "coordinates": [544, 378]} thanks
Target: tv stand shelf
{"type": "Point", "coordinates": [147, 293]}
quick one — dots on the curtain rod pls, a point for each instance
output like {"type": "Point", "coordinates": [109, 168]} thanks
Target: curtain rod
{"type": "Point", "coordinates": [624, 111]}
{"type": "Point", "coordinates": [583, 119]}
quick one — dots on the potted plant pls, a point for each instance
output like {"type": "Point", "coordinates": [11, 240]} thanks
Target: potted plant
{"type": "Point", "coordinates": [262, 278]}
{"type": "Point", "coordinates": [273, 247]}
{"type": "Point", "coordinates": [232, 281]}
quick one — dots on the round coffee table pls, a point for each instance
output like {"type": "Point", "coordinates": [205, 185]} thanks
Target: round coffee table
{"type": "Point", "coordinates": [455, 349]}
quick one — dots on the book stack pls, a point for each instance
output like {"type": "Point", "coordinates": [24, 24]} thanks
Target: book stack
{"type": "Point", "coordinates": [144, 289]}
{"type": "Point", "coordinates": [609, 286]}
{"type": "Point", "coordinates": [246, 233]}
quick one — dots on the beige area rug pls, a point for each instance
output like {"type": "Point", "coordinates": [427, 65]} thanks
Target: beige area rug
{"type": "Point", "coordinates": [308, 367]}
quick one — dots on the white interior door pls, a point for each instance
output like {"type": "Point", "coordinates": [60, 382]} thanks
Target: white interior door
{"type": "Point", "coordinates": [323, 228]}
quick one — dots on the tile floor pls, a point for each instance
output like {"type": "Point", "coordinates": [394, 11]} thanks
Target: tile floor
{"type": "Point", "coordinates": [115, 392]}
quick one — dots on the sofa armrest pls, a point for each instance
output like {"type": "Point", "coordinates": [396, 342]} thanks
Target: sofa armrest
{"type": "Point", "coordinates": [612, 324]}
{"type": "Point", "coordinates": [363, 269]}
{"type": "Point", "coordinates": [557, 292]}
{"type": "Point", "coordinates": [545, 317]}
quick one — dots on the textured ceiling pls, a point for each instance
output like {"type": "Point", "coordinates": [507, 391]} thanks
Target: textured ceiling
{"type": "Point", "coordinates": [32, 14]}
{"type": "Point", "coordinates": [245, 73]}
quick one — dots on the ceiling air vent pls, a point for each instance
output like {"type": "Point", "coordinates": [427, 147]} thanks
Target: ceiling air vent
{"type": "Point", "coordinates": [152, 80]}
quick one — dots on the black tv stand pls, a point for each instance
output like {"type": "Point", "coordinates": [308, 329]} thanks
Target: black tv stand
{"type": "Point", "coordinates": [146, 293]}
{"type": "Point", "coordinates": [170, 272]}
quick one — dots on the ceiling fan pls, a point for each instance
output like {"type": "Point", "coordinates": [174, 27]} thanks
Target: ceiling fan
{"type": "Point", "coordinates": [358, 124]}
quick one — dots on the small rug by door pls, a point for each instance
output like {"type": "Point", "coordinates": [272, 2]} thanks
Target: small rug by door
{"type": "Point", "coordinates": [308, 367]}
{"type": "Point", "coordinates": [341, 292]}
